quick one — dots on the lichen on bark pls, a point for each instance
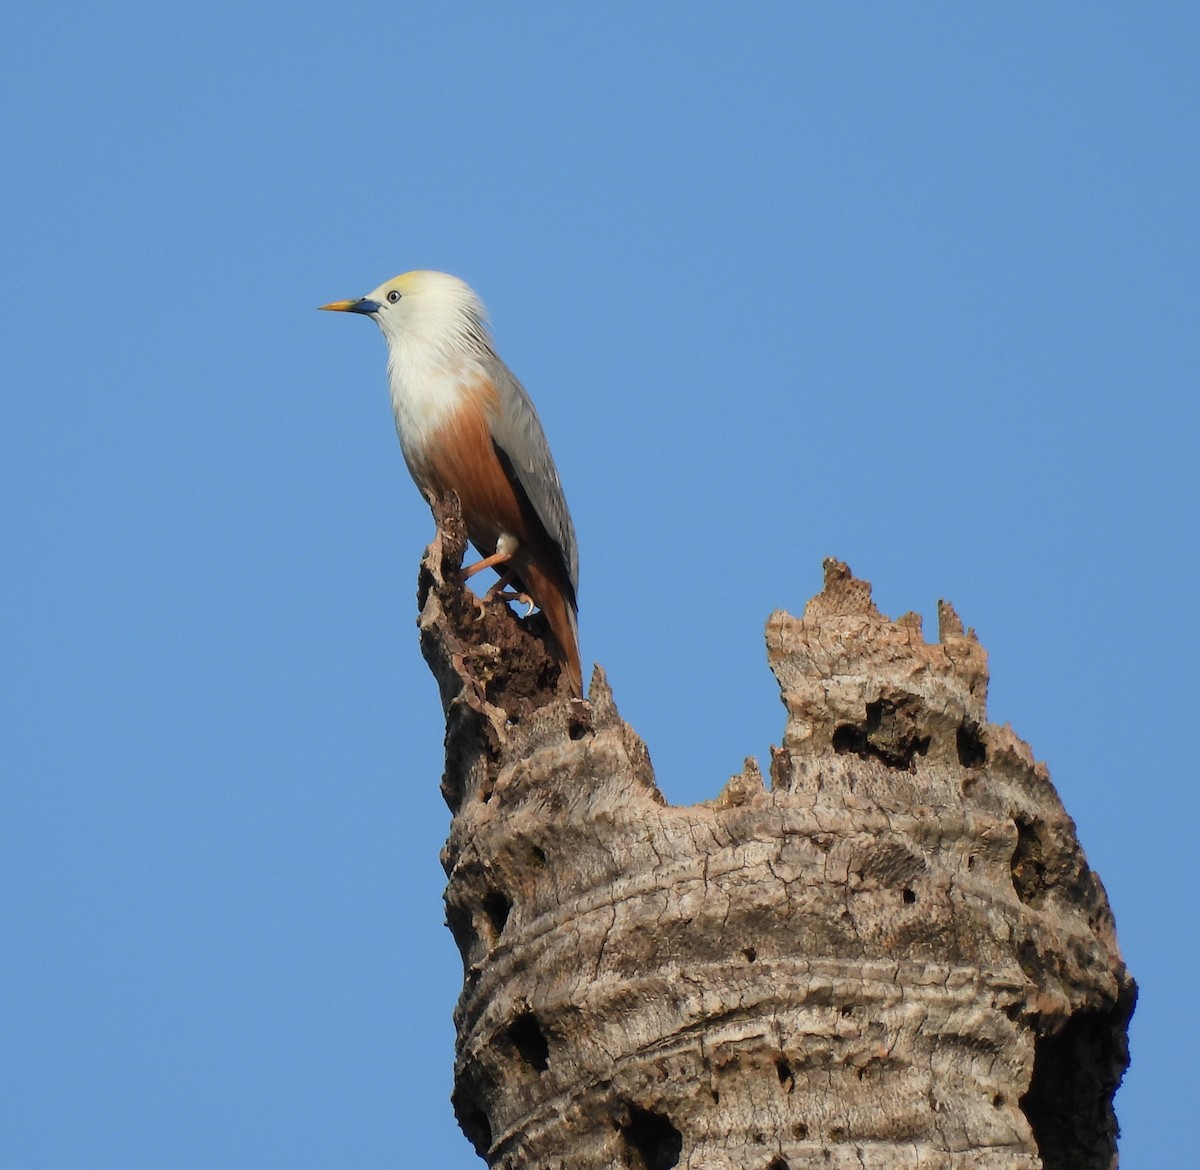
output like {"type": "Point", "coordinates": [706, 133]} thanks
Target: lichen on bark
{"type": "Point", "coordinates": [894, 955]}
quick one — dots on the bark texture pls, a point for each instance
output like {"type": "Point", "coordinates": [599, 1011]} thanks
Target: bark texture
{"type": "Point", "coordinates": [894, 955]}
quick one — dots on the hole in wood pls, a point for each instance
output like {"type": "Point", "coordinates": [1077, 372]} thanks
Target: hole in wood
{"type": "Point", "coordinates": [463, 930]}
{"type": "Point", "coordinates": [890, 733]}
{"type": "Point", "coordinates": [1028, 860]}
{"type": "Point", "coordinates": [497, 908]}
{"type": "Point", "coordinates": [786, 1077]}
{"type": "Point", "coordinates": [1075, 1074]}
{"type": "Point", "coordinates": [972, 751]}
{"type": "Point", "coordinates": [473, 1121]}
{"type": "Point", "coordinates": [849, 740]}
{"type": "Point", "coordinates": [526, 1036]}
{"type": "Point", "coordinates": [650, 1141]}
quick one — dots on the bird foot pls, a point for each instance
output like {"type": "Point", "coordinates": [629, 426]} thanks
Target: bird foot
{"type": "Point", "coordinates": [495, 593]}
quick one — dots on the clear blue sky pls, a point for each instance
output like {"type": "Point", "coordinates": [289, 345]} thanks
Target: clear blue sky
{"type": "Point", "coordinates": [914, 285]}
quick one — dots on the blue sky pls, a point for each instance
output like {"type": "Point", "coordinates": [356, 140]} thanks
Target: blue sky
{"type": "Point", "coordinates": [913, 285]}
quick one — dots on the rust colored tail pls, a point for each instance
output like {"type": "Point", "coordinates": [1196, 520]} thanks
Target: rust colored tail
{"type": "Point", "coordinates": [555, 602]}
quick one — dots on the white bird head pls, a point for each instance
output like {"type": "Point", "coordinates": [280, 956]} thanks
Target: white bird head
{"type": "Point", "coordinates": [424, 309]}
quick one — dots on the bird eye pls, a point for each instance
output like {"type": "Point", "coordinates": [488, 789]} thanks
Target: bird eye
{"type": "Point", "coordinates": [393, 297]}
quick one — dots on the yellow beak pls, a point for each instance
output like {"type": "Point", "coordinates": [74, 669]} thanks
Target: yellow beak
{"type": "Point", "coordinates": [363, 305]}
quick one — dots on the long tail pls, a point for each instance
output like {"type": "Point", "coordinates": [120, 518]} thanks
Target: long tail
{"type": "Point", "coordinates": [553, 600]}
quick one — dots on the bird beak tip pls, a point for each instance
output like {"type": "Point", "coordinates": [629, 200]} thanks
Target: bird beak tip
{"type": "Point", "coordinates": [339, 306]}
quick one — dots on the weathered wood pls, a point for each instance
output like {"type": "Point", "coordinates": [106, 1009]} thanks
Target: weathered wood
{"type": "Point", "coordinates": [895, 956]}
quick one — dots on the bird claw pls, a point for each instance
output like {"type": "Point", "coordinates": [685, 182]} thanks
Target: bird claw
{"type": "Point", "coordinates": [496, 594]}
{"type": "Point", "coordinates": [478, 603]}
{"type": "Point", "coordinates": [500, 591]}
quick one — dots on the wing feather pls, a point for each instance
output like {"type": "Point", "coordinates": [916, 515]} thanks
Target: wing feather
{"type": "Point", "coordinates": [519, 439]}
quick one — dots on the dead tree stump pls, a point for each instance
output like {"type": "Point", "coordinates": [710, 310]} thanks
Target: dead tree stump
{"type": "Point", "coordinates": [895, 956]}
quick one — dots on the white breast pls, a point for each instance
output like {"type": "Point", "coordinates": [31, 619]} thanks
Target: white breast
{"type": "Point", "coordinates": [427, 388]}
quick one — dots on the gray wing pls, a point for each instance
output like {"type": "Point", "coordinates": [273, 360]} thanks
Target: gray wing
{"type": "Point", "coordinates": [518, 436]}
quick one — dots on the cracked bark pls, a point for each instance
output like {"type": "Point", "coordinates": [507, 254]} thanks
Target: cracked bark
{"type": "Point", "coordinates": [894, 956]}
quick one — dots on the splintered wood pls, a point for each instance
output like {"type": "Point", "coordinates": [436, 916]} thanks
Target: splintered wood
{"type": "Point", "coordinates": [894, 955]}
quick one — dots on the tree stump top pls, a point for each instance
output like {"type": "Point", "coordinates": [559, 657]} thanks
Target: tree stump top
{"type": "Point", "coordinates": [890, 953]}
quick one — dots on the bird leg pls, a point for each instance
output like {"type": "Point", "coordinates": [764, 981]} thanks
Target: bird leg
{"type": "Point", "coordinates": [500, 591]}
{"type": "Point", "coordinates": [503, 580]}
{"type": "Point", "coordinates": [506, 547]}
{"type": "Point", "coordinates": [497, 558]}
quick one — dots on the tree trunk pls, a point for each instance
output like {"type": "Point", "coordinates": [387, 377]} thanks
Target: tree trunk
{"type": "Point", "coordinates": [894, 956]}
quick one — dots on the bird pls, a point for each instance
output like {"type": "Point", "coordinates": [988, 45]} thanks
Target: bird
{"type": "Point", "coordinates": [467, 425]}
